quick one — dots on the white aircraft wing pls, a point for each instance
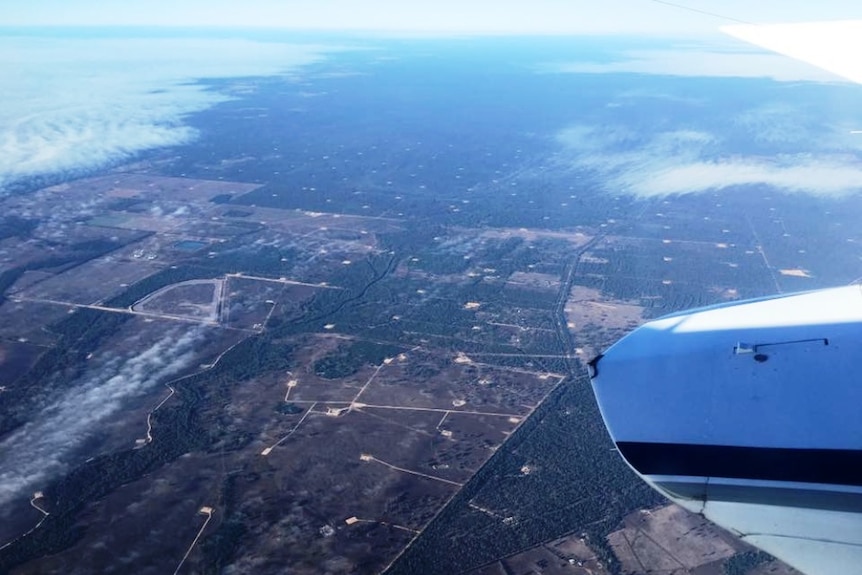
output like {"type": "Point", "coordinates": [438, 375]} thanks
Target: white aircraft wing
{"type": "Point", "coordinates": [751, 414]}
{"type": "Point", "coordinates": [832, 46]}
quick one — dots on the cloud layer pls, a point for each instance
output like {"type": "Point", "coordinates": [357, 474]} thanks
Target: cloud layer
{"type": "Point", "coordinates": [800, 142]}
{"type": "Point", "coordinates": [42, 448]}
{"type": "Point", "coordinates": [717, 60]}
{"type": "Point", "coordinates": [71, 104]}
{"type": "Point", "coordinates": [688, 161]}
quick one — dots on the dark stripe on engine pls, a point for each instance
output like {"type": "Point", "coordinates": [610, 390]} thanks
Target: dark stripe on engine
{"type": "Point", "coordinates": [829, 466]}
{"type": "Point", "coordinates": [830, 500]}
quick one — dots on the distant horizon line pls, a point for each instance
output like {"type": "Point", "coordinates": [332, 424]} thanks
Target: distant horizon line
{"type": "Point", "coordinates": [410, 31]}
{"type": "Point", "coordinates": [364, 32]}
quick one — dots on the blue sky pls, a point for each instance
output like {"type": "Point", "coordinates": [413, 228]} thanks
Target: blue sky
{"type": "Point", "coordinates": [452, 16]}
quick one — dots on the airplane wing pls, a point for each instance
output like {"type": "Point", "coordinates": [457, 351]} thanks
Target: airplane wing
{"type": "Point", "coordinates": [832, 46]}
{"type": "Point", "coordinates": [751, 414]}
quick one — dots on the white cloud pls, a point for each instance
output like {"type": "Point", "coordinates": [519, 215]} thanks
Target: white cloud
{"type": "Point", "coordinates": [72, 104]}
{"type": "Point", "coordinates": [777, 123]}
{"type": "Point", "coordinates": [41, 448]}
{"type": "Point", "coordinates": [701, 61]}
{"type": "Point", "coordinates": [685, 161]}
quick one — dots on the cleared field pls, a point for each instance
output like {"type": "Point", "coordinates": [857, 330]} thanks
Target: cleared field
{"type": "Point", "coordinates": [193, 299]}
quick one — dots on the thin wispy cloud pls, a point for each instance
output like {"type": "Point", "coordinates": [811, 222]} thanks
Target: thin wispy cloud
{"type": "Point", "coordinates": [71, 104]}
{"type": "Point", "coordinates": [689, 161]}
{"type": "Point", "coordinates": [769, 124]}
{"type": "Point", "coordinates": [42, 448]}
{"type": "Point", "coordinates": [708, 61]}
